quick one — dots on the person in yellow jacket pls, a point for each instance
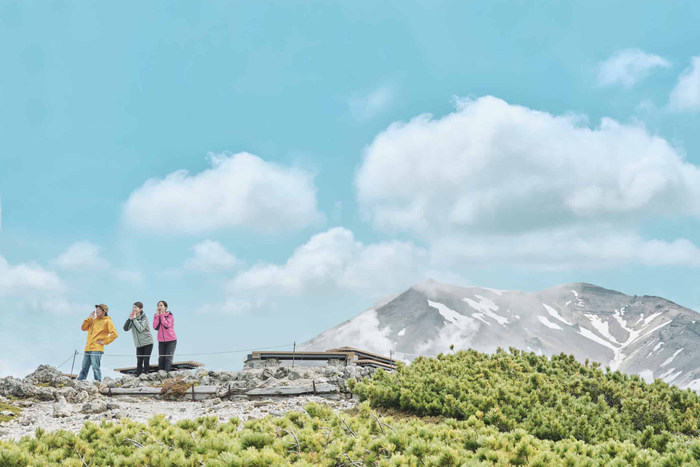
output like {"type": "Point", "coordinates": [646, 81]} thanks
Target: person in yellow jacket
{"type": "Point", "coordinates": [101, 332]}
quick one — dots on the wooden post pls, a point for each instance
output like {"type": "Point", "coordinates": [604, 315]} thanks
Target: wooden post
{"type": "Point", "coordinates": [294, 353]}
{"type": "Point", "coordinates": [314, 383]}
{"type": "Point", "coordinates": [109, 392]}
{"type": "Point", "coordinates": [193, 393]}
{"type": "Point", "coordinates": [229, 391]}
{"type": "Point", "coordinates": [73, 364]}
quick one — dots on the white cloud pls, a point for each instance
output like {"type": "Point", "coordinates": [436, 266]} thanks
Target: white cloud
{"type": "Point", "coordinates": [24, 278]}
{"type": "Point", "coordinates": [241, 190]}
{"type": "Point", "coordinates": [211, 256]}
{"type": "Point", "coordinates": [565, 248]}
{"type": "Point", "coordinates": [495, 167]}
{"type": "Point", "coordinates": [628, 67]}
{"type": "Point", "coordinates": [82, 256]}
{"type": "Point", "coordinates": [233, 307]}
{"type": "Point", "coordinates": [686, 95]}
{"type": "Point", "coordinates": [59, 306]}
{"type": "Point", "coordinates": [367, 106]}
{"type": "Point", "coordinates": [334, 260]}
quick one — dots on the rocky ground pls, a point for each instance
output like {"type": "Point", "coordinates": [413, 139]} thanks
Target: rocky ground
{"type": "Point", "coordinates": [49, 400]}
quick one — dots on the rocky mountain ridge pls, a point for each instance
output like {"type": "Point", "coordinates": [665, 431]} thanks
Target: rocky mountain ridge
{"type": "Point", "coordinates": [644, 335]}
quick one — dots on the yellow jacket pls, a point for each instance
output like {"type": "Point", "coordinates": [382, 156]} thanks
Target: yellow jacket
{"type": "Point", "coordinates": [99, 328]}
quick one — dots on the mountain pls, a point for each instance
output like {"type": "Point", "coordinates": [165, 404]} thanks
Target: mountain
{"type": "Point", "coordinates": [646, 335]}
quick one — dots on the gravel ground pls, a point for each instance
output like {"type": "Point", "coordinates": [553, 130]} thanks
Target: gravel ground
{"type": "Point", "coordinates": [41, 414]}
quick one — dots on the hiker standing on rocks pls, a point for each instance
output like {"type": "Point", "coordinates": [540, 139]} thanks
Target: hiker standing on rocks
{"type": "Point", "coordinates": [101, 332]}
{"type": "Point", "coordinates": [143, 340]}
{"type": "Point", "coordinates": [164, 322]}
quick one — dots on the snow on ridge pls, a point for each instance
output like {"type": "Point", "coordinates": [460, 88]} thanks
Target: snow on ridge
{"type": "Point", "coordinates": [480, 317]}
{"type": "Point", "coordinates": [403, 331]}
{"type": "Point", "coordinates": [575, 293]}
{"type": "Point", "coordinates": [670, 359]}
{"type": "Point", "coordinates": [486, 307]}
{"type": "Point", "coordinates": [669, 376]}
{"type": "Point", "coordinates": [657, 346]}
{"type": "Point", "coordinates": [694, 385]}
{"type": "Point", "coordinates": [601, 326]}
{"type": "Point", "coordinates": [548, 323]}
{"type": "Point", "coordinates": [594, 337]}
{"type": "Point", "coordinates": [553, 313]}
{"type": "Point", "coordinates": [451, 316]}
{"type": "Point", "coordinates": [649, 319]}
{"type": "Point", "coordinates": [567, 303]}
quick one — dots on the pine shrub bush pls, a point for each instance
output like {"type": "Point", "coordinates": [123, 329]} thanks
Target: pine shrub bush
{"type": "Point", "coordinates": [551, 399]}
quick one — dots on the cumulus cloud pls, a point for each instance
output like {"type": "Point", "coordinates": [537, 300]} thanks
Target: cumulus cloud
{"type": "Point", "coordinates": [233, 307]}
{"type": "Point", "coordinates": [23, 278]}
{"type": "Point", "coordinates": [82, 256]}
{"type": "Point", "coordinates": [238, 191]}
{"type": "Point", "coordinates": [495, 167]}
{"type": "Point", "coordinates": [367, 106]}
{"type": "Point", "coordinates": [566, 248]}
{"type": "Point", "coordinates": [211, 256]}
{"type": "Point", "coordinates": [60, 306]}
{"type": "Point", "coordinates": [686, 95]}
{"type": "Point", "coordinates": [628, 67]}
{"type": "Point", "coordinates": [334, 260]}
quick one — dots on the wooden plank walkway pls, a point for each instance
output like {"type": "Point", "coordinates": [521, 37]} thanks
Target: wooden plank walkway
{"type": "Point", "coordinates": [153, 368]}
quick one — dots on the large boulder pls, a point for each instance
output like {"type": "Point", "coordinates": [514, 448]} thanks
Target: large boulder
{"type": "Point", "coordinates": [44, 374]}
{"type": "Point", "coordinates": [80, 397]}
{"type": "Point", "coordinates": [45, 393]}
{"type": "Point", "coordinates": [67, 393]}
{"type": "Point", "coordinates": [94, 407]}
{"type": "Point", "coordinates": [86, 386]}
{"type": "Point", "coordinates": [14, 387]}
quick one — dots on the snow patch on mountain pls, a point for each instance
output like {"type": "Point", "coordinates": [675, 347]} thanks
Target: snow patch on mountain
{"type": "Point", "coordinates": [670, 359]}
{"type": "Point", "coordinates": [694, 385]}
{"type": "Point", "coordinates": [647, 375]}
{"type": "Point", "coordinates": [486, 307]}
{"type": "Point", "coordinates": [649, 319]}
{"type": "Point", "coordinates": [555, 314]}
{"type": "Point", "coordinates": [595, 338]}
{"type": "Point", "coordinates": [601, 326]}
{"type": "Point", "coordinates": [548, 323]}
{"type": "Point", "coordinates": [451, 316]}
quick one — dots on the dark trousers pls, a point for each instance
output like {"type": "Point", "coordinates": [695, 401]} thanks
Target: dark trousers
{"type": "Point", "coordinates": [143, 359]}
{"type": "Point", "coordinates": [166, 350]}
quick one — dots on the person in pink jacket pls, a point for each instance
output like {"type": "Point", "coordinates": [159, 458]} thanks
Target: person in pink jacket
{"type": "Point", "coordinates": [164, 323]}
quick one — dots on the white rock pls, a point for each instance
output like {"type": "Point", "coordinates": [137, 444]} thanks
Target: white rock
{"type": "Point", "coordinates": [61, 409]}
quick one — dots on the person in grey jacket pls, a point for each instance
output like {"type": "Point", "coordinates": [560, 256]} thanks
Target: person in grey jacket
{"type": "Point", "coordinates": [141, 332]}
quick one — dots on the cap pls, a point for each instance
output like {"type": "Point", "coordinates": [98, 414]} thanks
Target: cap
{"type": "Point", "coordinates": [104, 307]}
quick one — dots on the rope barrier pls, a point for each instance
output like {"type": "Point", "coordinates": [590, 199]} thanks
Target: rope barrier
{"type": "Point", "coordinates": [67, 360]}
{"type": "Point", "coordinates": [194, 354]}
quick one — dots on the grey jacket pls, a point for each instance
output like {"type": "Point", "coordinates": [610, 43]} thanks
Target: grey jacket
{"type": "Point", "coordinates": [140, 330]}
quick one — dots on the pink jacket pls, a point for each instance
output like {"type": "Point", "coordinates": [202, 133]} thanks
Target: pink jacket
{"type": "Point", "coordinates": [165, 324]}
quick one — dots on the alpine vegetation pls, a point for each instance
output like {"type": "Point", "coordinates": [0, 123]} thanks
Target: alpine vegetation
{"type": "Point", "coordinates": [462, 409]}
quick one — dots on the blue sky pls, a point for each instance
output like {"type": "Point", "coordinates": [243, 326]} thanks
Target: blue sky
{"type": "Point", "coordinates": [272, 168]}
